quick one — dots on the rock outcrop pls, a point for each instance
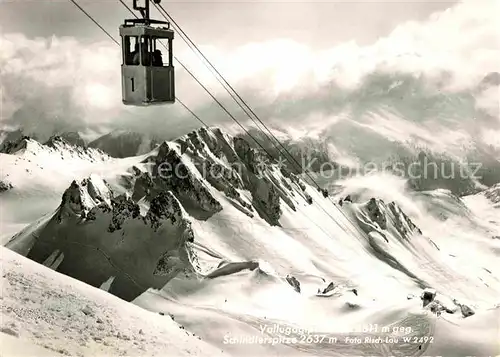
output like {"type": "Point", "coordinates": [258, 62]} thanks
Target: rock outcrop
{"type": "Point", "coordinates": [402, 222]}
{"type": "Point", "coordinates": [493, 194]}
{"type": "Point", "coordinates": [428, 296]}
{"type": "Point", "coordinates": [73, 138]}
{"type": "Point", "coordinates": [144, 237]}
{"type": "Point", "coordinates": [122, 144]}
{"type": "Point", "coordinates": [83, 196]}
{"type": "Point", "coordinates": [60, 145]}
{"type": "Point", "coordinates": [5, 186]}
{"type": "Point", "coordinates": [375, 209]}
{"type": "Point", "coordinates": [22, 143]}
{"type": "Point", "coordinates": [389, 217]}
{"type": "Point", "coordinates": [293, 282]}
{"type": "Point", "coordinates": [95, 234]}
{"type": "Point", "coordinates": [227, 164]}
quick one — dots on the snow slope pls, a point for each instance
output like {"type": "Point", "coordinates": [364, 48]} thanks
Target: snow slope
{"type": "Point", "coordinates": [247, 301]}
{"type": "Point", "coordinates": [44, 313]}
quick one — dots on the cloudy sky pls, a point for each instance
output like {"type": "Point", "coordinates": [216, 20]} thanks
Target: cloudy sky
{"type": "Point", "coordinates": [59, 69]}
{"type": "Point", "coordinates": [227, 24]}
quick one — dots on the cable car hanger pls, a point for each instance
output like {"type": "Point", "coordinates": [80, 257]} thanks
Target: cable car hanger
{"type": "Point", "coordinates": [147, 76]}
{"type": "Point", "coordinates": [144, 10]}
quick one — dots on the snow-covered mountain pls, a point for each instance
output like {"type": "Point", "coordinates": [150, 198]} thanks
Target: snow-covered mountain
{"type": "Point", "coordinates": [72, 137]}
{"type": "Point", "coordinates": [209, 230]}
{"type": "Point", "coordinates": [395, 118]}
{"type": "Point", "coordinates": [205, 159]}
{"type": "Point", "coordinates": [38, 174]}
{"type": "Point", "coordinates": [44, 313]}
{"type": "Point", "coordinates": [7, 137]}
{"type": "Point", "coordinates": [298, 156]}
{"type": "Point", "coordinates": [131, 231]}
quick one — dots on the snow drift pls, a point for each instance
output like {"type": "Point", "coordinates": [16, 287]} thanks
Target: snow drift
{"type": "Point", "coordinates": [44, 313]}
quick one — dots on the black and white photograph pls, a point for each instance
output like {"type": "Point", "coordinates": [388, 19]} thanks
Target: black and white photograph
{"type": "Point", "coordinates": [250, 178]}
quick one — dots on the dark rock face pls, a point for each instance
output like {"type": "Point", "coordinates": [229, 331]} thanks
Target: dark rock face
{"type": "Point", "coordinates": [466, 311]}
{"type": "Point", "coordinates": [227, 164]}
{"type": "Point", "coordinates": [98, 236]}
{"type": "Point", "coordinates": [428, 171]}
{"type": "Point", "coordinates": [165, 207]}
{"type": "Point", "coordinates": [375, 214]}
{"type": "Point", "coordinates": [231, 164]}
{"type": "Point", "coordinates": [293, 282]}
{"type": "Point", "coordinates": [205, 149]}
{"type": "Point", "coordinates": [253, 159]}
{"type": "Point", "coordinates": [54, 140]}
{"type": "Point", "coordinates": [493, 194]}
{"type": "Point", "coordinates": [326, 290]}
{"type": "Point", "coordinates": [430, 301]}
{"type": "Point", "coordinates": [7, 136]}
{"type": "Point", "coordinates": [124, 144]}
{"type": "Point", "coordinates": [144, 237]}
{"type": "Point", "coordinates": [171, 174]}
{"type": "Point", "coordinates": [346, 199]}
{"type": "Point", "coordinates": [123, 208]}
{"type": "Point", "coordinates": [73, 138]}
{"type": "Point", "coordinates": [142, 185]}
{"type": "Point", "coordinates": [81, 198]}
{"type": "Point", "coordinates": [312, 152]}
{"type": "Point", "coordinates": [390, 217]}
{"type": "Point", "coordinates": [402, 222]}
{"type": "Point", "coordinates": [428, 296]}
{"type": "Point", "coordinates": [5, 186]}
{"type": "Point", "coordinates": [265, 196]}
{"type": "Point", "coordinates": [266, 200]}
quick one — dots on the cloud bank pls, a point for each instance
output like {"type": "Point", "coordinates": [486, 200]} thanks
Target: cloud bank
{"type": "Point", "coordinates": [59, 84]}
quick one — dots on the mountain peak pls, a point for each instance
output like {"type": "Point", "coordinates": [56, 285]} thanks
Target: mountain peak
{"type": "Point", "coordinates": [22, 144]}
{"type": "Point", "coordinates": [55, 141]}
{"type": "Point", "coordinates": [84, 195]}
{"type": "Point", "coordinates": [69, 138]}
{"type": "Point", "coordinates": [123, 143]}
{"type": "Point", "coordinates": [193, 178]}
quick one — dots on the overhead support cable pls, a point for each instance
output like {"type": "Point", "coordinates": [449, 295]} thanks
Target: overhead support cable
{"type": "Point", "coordinates": [189, 110]}
{"type": "Point", "coordinates": [207, 90]}
{"type": "Point", "coordinates": [229, 88]}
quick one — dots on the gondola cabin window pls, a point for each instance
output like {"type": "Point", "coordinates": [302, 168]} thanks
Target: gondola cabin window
{"type": "Point", "coordinates": [145, 50]}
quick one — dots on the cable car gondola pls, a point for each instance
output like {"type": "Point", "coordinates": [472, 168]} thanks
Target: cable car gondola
{"type": "Point", "coordinates": [147, 73]}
